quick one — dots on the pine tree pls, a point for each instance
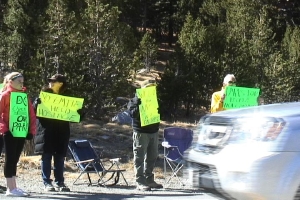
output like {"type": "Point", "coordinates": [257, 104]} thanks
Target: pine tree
{"type": "Point", "coordinates": [108, 47]}
{"type": "Point", "coordinates": [146, 54]}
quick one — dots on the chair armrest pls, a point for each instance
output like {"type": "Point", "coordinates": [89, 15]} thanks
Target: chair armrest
{"type": "Point", "coordinates": [112, 160]}
{"type": "Point", "coordinates": [165, 144]}
{"type": "Point", "coordinates": [85, 161]}
{"type": "Point", "coordinates": [104, 160]}
{"type": "Point", "coordinates": [115, 160]}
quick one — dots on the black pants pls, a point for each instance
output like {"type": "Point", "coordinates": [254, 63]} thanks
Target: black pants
{"type": "Point", "coordinates": [13, 150]}
{"type": "Point", "coordinates": [1, 144]}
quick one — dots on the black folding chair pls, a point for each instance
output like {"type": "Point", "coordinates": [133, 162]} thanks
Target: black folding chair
{"type": "Point", "coordinates": [176, 141]}
{"type": "Point", "coordinates": [88, 162]}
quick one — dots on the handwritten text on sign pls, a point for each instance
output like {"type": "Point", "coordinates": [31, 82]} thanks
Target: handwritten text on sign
{"type": "Point", "coordinates": [149, 106]}
{"type": "Point", "coordinates": [19, 116]}
{"type": "Point", "coordinates": [60, 107]}
{"type": "Point", "coordinates": [238, 97]}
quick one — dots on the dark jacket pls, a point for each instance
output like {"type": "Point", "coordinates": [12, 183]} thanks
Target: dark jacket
{"type": "Point", "coordinates": [52, 135]}
{"type": "Point", "coordinates": [133, 108]}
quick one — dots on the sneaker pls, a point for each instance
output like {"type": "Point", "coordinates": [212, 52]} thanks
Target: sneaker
{"type": "Point", "coordinates": [1, 191]}
{"type": "Point", "coordinates": [22, 191]}
{"type": "Point", "coordinates": [155, 185]}
{"type": "Point", "coordinates": [15, 193]}
{"type": "Point", "coordinates": [142, 187]}
{"type": "Point", "coordinates": [49, 187]}
{"type": "Point", "coordinates": [61, 187]}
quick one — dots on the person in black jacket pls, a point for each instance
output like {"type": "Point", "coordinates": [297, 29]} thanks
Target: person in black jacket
{"type": "Point", "coordinates": [52, 140]}
{"type": "Point", "coordinates": [145, 146]}
{"type": "Point", "coordinates": [5, 81]}
{"type": "Point", "coordinates": [2, 188]}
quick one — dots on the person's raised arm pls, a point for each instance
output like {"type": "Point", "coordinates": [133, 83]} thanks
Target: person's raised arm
{"type": "Point", "coordinates": [216, 102]}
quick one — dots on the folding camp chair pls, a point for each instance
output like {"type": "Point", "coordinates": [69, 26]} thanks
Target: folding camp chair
{"type": "Point", "coordinates": [88, 162]}
{"type": "Point", "coordinates": [176, 141]}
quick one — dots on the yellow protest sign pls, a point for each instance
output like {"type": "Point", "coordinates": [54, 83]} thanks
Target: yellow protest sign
{"type": "Point", "coordinates": [59, 107]}
{"type": "Point", "coordinates": [148, 109]}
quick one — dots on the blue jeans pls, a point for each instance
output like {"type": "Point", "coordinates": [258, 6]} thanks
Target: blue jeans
{"type": "Point", "coordinates": [58, 168]}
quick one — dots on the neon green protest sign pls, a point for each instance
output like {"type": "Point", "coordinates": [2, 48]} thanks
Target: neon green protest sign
{"type": "Point", "coordinates": [18, 114]}
{"type": "Point", "coordinates": [59, 107]}
{"type": "Point", "coordinates": [239, 97]}
{"type": "Point", "coordinates": [148, 108]}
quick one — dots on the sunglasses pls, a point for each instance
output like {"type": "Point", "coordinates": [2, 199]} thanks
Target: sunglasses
{"type": "Point", "coordinates": [231, 82]}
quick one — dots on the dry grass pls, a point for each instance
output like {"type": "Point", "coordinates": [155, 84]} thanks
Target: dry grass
{"type": "Point", "coordinates": [112, 140]}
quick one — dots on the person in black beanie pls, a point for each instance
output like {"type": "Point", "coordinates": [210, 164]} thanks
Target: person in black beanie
{"type": "Point", "coordinates": [1, 149]}
{"type": "Point", "coordinates": [2, 188]}
{"type": "Point", "coordinates": [52, 139]}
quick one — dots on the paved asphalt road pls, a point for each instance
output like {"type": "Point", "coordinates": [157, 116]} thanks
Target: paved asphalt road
{"type": "Point", "coordinates": [130, 195]}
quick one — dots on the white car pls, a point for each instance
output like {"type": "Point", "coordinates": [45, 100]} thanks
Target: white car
{"type": "Point", "coordinates": [249, 153]}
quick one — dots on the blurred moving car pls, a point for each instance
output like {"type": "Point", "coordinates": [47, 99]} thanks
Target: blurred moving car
{"type": "Point", "coordinates": [248, 153]}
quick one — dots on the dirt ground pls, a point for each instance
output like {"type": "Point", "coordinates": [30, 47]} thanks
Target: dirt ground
{"type": "Point", "coordinates": [110, 140]}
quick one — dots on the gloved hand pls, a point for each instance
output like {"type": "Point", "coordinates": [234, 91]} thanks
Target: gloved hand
{"type": "Point", "coordinates": [7, 134]}
{"type": "Point", "coordinates": [38, 101]}
{"type": "Point", "coordinates": [80, 111]}
{"type": "Point", "coordinates": [137, 101]}
{"type": "Point", "coordinates": [29, 136]}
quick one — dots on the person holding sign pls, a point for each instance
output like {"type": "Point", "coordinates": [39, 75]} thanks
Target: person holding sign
{"type": "Point", "coordinates": [218, 97]}
{"type": "Point", "coordinates": [2, 88]}
{"type": "Point", "coordinates": [17, 123]}
{"type": "Point", "coordinates": [145, 144]}
{"type": "Point", "coordinates": [52, 139]}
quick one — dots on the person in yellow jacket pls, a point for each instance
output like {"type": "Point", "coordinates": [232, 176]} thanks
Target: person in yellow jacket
{"type": "Point", "coordinates": [219, 96]}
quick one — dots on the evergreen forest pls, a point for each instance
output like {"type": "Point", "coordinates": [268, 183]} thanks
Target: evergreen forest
{"type": "Point", "coordinates": [101, 45]}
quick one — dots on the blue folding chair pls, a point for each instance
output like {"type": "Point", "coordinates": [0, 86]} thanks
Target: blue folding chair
{"type": "Point", "coordinates": [176, 141]}
{"type": "Point", "coordinates": [88, 162]}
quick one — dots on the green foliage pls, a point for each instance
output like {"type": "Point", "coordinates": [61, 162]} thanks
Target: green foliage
{"type": "Point", "coordinates": [238, 37]}
{"type": "Point", "coordinates": [85, 41]}
{"type": "Point", "coordinates": [107, 49]}
{"type": "Point", "coordinates": [98, 44]}
{"type": "Point", "coordinates": [145, 56]}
